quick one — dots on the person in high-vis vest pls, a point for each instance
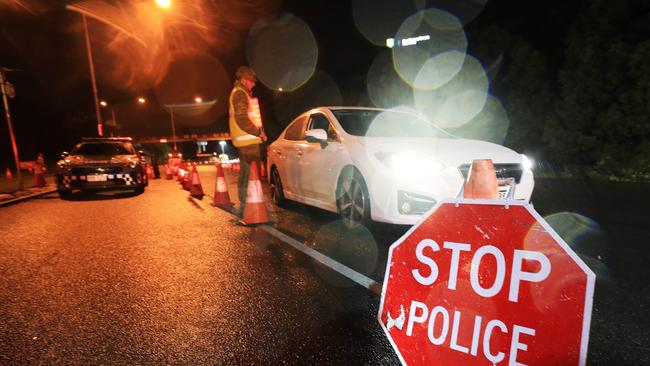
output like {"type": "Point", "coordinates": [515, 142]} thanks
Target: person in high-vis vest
{"type": "Point", "coordinates": [245, 135]}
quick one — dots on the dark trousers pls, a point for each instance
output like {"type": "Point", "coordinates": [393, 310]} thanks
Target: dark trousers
{"type": "Point", "coordinates": [247, 155]}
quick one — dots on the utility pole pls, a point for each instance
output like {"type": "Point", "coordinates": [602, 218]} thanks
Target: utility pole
{"type": "Point", "coordinates": [3, 86]}
{"type": "Point", "coordinates": [100, 131]}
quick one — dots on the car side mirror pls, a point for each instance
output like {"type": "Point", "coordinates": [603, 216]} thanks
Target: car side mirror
{"type": "Point", "coordinates": [65, 154]}
{"type": "Point", "coordinates": [317, 135]}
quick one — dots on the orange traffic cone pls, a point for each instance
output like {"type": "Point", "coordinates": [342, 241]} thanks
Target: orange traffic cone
{"type": "Point", "coordinates": [196, 190]}
{"type": "Point", "coordinates": [168, 172]}
{"type": "Point", "coordinates": [262, 170]}
{"type": "Point", "coordinates": [221, 196]}
{"type": "Point", "coordinates": [187, 179]}
{"type": "Point", "coordinates": [8, 174]}
{"type": "Point", "coordinates": [481, 181]}
{"type": "Point", "coordinates": [255, 210]}
{"type": "Point", "coordinates": [149, 172]}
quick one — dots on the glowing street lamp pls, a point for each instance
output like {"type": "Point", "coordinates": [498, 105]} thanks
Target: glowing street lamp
{"type": "Point", "coordinates": [141, 100]}
{"type": "Point", "coordinates": [164, 3]}
{"type": "Point", "coordinates": [198, 99]}
{"type": "Point", "coordinates": [103, 103]}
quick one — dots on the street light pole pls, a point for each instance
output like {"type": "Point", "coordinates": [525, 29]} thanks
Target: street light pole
{"type": "Point", "coordinates": [11, 128]}
{"type": "Point", "coordinates": [100, 131]}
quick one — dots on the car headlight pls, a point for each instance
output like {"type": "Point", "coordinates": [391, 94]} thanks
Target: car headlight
{"type": "Point", "coordinates": [63, 164]}
{"type": "Point", "coordinates": [410, 163]}
{"type": "Point", "coordinates": [527, 162]}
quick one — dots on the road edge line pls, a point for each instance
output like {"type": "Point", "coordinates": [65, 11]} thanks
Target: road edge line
{"type": "Point", "coordinates": [24, 198]}
{"type": "Point", "coordinates": [342, 269]}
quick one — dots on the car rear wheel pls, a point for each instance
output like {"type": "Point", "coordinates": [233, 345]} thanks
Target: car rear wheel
{"type": "Point", "coordinates": [353, 199]}
{"type": "Point", "coordinates": [277, 192]}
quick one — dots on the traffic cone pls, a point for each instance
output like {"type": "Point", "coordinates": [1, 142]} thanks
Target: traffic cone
{"type": "Point", "coordinates": [149, 171]}
{"type": "Point", "coordinates": [39, 177]}
{"type": "Point", "coordinates": [482, 181]}
{"type": "Point", "coordinates": [8, 174]}
{"type": "Point", "coordinates": [187, 179]}
{"type": "Point", "coordinates": [196, 190]}
{"type": "Point", "coordinates": [255, 209]}
{"type": "Point", "coordinates": [221, 196]}
{"type": "Point", "coordinates": [181, 173]}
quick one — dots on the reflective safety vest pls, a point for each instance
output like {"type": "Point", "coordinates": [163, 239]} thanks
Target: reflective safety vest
{"type": "Point", "coordinates": [240, 137]}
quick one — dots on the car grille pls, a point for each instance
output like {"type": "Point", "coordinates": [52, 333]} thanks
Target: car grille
{"type": "Point", "coordinates": [94, 170]}
{"type": "Point", "coordinates": [502, 170]}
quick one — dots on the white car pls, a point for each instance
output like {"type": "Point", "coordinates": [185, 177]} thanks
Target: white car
{"type": "Point", "coordinates": [381, 165]}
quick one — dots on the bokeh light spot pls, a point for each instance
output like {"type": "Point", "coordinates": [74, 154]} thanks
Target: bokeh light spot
{"type": "Point", "coordinates": [491, 124]}
{"type": "Point", "coordinates": [320, 90]}
{"type": "Point", "coordinates": [385, 88]}
{"type": "Point", "coordinates": [188, 77]}
{"type": "Point", "coordinates": [282, 51]}
{"type": "Point", "coordinates": [440, 32]}
{"type": "Point", "coordinates": [461, 98]}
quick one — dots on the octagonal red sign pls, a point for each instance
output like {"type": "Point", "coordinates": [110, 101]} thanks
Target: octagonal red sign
{"type": "Point", "coordinates": [485, 282]}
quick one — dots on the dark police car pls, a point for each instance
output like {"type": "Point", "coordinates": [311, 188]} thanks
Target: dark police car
{"type": "Point", "coordinates": [101, 164]}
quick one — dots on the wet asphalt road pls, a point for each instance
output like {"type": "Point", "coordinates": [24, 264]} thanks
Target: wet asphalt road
{"type": "Point", "coordinates": [161, 279]}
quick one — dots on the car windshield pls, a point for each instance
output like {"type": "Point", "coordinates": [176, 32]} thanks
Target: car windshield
{"type": "Point", "coordinates": [104, 148]}
{"type": "Point", "coordinates": [378, 123]}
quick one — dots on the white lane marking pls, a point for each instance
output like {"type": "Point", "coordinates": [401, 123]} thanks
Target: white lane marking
{"type": "Point", "coordinates": [344, 270]}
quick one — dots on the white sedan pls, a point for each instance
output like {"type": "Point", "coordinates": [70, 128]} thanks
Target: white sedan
{"type": "Point", "coordinates": [370, 164]}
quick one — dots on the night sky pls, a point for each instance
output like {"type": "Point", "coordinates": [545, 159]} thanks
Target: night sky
{"type": "Point", "coordinates": [54, 105]}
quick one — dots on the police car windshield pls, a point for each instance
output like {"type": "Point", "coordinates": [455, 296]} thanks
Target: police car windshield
{"type": "Point", "coordinates": [104, 148]}
{"type": "Point", "coordinates": [378, 123]}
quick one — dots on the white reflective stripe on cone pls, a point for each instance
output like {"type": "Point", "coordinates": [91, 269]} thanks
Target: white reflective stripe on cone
{"type": "Point", "coordinates": [254, 192]}
{"type": "Point", "coordinates": [195, 179]}
{"type": "Point", "coordinates": [221, 185]}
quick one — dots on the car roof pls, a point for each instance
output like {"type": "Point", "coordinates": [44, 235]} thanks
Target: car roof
{"type": "Point", "coordinates": [106, 139]}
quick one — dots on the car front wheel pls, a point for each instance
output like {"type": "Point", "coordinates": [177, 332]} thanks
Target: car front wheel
{"type": "Point", "coordinates": [277, 192]}
{"type": "Point", "coordinates": [353, 200]}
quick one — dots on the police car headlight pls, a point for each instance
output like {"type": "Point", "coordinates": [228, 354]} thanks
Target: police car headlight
{"type": "Point", "coordinates": [527, 162]}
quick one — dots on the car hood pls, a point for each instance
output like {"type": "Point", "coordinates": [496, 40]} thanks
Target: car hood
{"type": "Point", "coordinates": [100, 159]}
{"type": "Point", "coordinates": [450, 151]}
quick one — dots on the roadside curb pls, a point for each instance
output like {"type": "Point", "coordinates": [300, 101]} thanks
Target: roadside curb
{"type": "Point", "coordinates": [24, 198]}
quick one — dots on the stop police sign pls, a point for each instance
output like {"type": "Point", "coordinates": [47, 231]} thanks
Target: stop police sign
{"type": "Point", "coordinates": [485, 282]}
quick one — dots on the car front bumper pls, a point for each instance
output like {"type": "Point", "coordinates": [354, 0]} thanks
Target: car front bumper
{"type": "Point", "coordinates": [69, 181]}
{"type": "Point", "coordinates": [389, 192]}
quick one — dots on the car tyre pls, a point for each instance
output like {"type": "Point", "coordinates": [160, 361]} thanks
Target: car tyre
{"type": "Point", "coordinates": [277, 192]}
{"type": "Point", "coordinates": [353, 200]}
{"type": "Point", "coordinates": [139, 190]}
{"type": "Point", "coordinates": [64, 193]}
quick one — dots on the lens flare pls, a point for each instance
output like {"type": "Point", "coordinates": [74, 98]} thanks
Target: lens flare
{"type": "Point", "coordinates": [320, 90]}
{"type": "Point", "coordinates": [378, 20]}
{"type": "Point", "coordinates": [458, 100]}
{"type": "Point", "coordinates": [491, 124]}
{"type": "Point", "coordinates": [385, 88]}
{"type": "Point", "coordinates": [186, 78]}
{"type": "Point", "coordinates": [282, 51]}
{"type": "Point", "coordinates": [418, 64]}
{"type": "Point", "coordinates": [136, 42]}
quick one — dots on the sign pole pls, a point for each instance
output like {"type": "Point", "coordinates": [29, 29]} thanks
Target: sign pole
{"type": "Point", "coordinates": [11, 129]}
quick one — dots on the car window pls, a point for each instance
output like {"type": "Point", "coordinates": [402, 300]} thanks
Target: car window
{"type": "Point", "coordinates": [294, 131]}
{"type": "Point", "coordinates": [104, 148]}
{"type": "Point", "coordinates": [378, 123]}
{"type": "Point", "coordinates": [319, 120]}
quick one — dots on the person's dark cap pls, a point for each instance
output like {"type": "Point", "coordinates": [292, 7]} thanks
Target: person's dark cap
{"type": "Point", "coordinates": [245, 72]}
